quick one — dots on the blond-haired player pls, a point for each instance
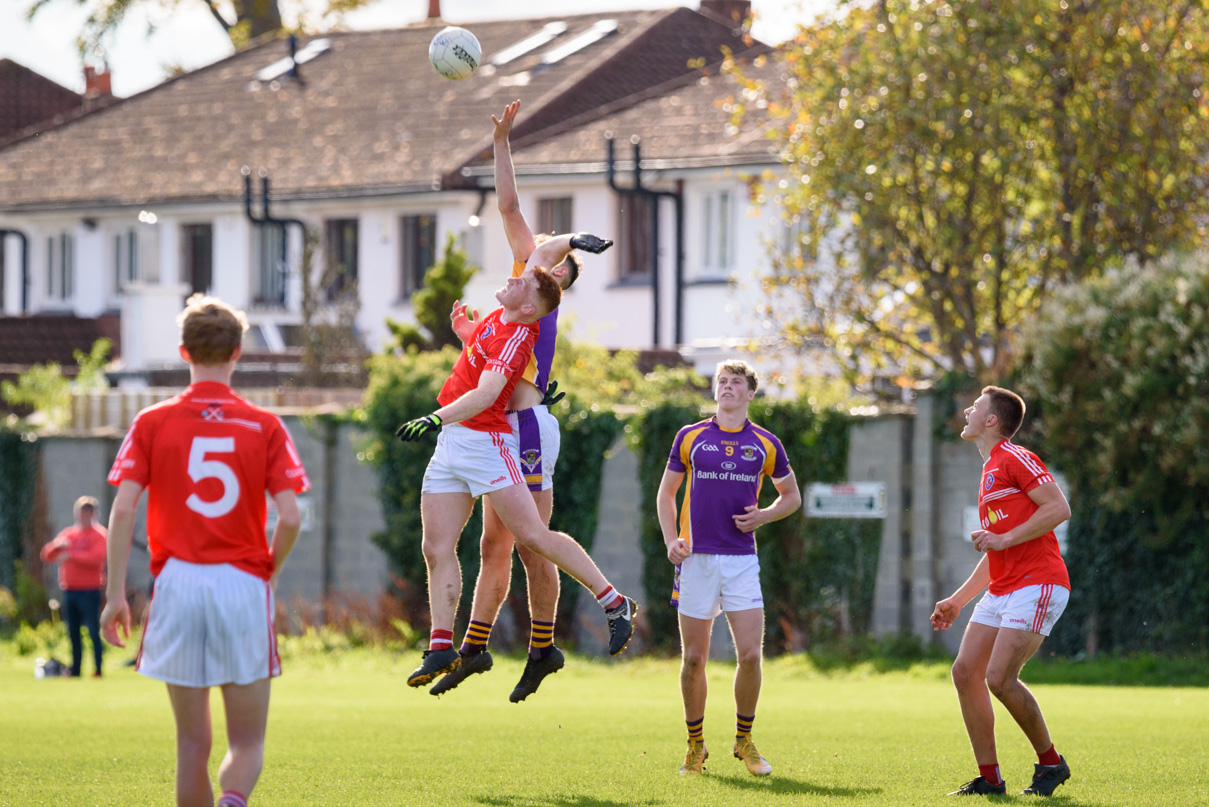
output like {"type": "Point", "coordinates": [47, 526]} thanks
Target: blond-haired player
{"type": "Point", "coordinates": [725, 459]}
{"type": "Point", "coordinates": [206, 459]}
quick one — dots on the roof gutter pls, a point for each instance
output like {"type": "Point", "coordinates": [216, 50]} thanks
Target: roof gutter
{"type": "Point", "coordinates": [24, 268]}
{"type": "Point", "coordinates": [677, 197]}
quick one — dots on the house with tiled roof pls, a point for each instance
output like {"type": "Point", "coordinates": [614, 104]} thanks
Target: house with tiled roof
{"type": "Point", "coordinates": [131, 207]}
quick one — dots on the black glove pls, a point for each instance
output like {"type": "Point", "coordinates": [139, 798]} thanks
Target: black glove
{"type": "Point", "coordinates": [414, 429]}
{"type": "Point", "coordinates": [550, 398]}
{"type": "Point", "coordinates": [590, 243]}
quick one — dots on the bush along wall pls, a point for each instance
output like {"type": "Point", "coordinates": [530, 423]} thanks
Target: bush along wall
{"type": "Point", "coordinates": [406, 387]}
{"type": "Point", "coordinates": [18, 478]}
{"type": "Point", "coordinates": [1119, 364]}
{"type": "Point", "coordinates": [817, 575]}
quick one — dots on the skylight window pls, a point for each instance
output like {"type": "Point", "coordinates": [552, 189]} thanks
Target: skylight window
{"type": "Point", "coordinates": [548, 32]}
{"type": "Point", "coordinates": [283, 66]}
{"type": "Point", "coordinates": [597, 32]}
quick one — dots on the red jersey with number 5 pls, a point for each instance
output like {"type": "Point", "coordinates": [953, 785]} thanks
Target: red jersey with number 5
{"type": "Point", "coordinates": [206, 458]}
{"type": "Point", "coordinates": [1003, 503]}
{"type": "Point", "coordinates": [498, 346]}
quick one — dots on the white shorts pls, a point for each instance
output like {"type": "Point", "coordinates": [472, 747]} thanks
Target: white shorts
{"type": "Point", "coordinates": [474, 462]}
{"type": "Point", "coordinates": [1032, 608]}
{"type": "Point", "coordinates": [209, 625]}
{"type": "Point", "coordinates": [707, 585]}
{"type": "Point", "coordinates": [539, 440]}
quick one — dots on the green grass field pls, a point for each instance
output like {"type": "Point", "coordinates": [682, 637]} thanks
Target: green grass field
{"type": "Point", "coordinates": [345, 730]}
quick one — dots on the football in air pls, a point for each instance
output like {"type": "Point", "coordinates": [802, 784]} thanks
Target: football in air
{"type": "Point", "coordinates": [455, 53]}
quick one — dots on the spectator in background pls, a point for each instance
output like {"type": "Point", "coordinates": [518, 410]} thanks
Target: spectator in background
{"type": "Point", "coordinates": [80, 552]}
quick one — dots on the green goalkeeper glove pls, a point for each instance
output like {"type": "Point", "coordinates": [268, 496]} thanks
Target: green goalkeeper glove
{"type": "Point", "coordinates": [415, 429]}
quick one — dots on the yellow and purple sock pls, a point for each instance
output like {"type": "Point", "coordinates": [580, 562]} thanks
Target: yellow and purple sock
{"type": "Point", "coordinates": [541, 638]}
{"type": "Point", "coordinates": [477, 635]}
{"type": "Point", "coordinates": [696, 730]}
{"type": "Point", "coordinates": [743, 726]}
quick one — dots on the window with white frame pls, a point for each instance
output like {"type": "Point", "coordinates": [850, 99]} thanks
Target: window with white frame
{"type": "Point", "coordinates": [717, 234]}
{"type": "Point", "coordinates": [270, 270]}
{"type": "Point", "coordinates": [60, 266]}
{"type": "Point", "coordinates": [125, 259]}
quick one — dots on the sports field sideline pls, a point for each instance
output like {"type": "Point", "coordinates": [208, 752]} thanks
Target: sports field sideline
{"type": "Point", "coordinates": [346, 731]}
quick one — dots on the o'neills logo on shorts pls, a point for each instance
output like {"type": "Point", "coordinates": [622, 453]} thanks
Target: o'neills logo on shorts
{"type": "Point", "coordinates": [498, 479]}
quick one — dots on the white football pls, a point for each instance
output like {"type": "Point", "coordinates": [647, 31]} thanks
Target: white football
{"type": "Point", "coordinates": [455, 53]}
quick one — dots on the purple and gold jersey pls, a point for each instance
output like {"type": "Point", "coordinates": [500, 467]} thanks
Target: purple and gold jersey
{"type": "Point", "coordinates": [724, 471]}
{"type": "Point", "coordinates": [537, 372]}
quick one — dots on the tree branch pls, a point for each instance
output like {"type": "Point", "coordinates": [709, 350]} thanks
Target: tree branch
{"type": "Point", "coordinates": [226, 26]}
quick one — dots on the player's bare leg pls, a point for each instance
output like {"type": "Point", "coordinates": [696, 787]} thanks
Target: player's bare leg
{"type": "Point", "coordinates": [247, 710]}
{"type": "Point", "coordinates": [970, 679]}
{"type": "Point", "coordinates": [1012, 649]}
{"type": "Point", "coordinates": [694, 653]}
{"type": "Point", "coordinates": [518, 512]}
{"type": "Point", "coordinates": [191, 708]}
{"type": "Point", "coordinates": [747, 630]}
{"type": "Point", "coordinates": [444, 515]}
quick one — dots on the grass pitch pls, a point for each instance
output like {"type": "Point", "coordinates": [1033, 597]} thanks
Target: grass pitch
{"type": "Point", "coordinates": [346, 730]}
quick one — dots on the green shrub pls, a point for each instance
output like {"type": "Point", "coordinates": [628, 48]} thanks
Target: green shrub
{"type": "Point", "coordinates": [1120, 365]}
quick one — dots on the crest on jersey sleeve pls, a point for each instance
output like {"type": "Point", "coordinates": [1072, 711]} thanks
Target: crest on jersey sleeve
{"type": "Point", "coordinates": [989, 482]}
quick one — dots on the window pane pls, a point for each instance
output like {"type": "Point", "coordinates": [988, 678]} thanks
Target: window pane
{"type": "Point", "coordinates": [417, 252]}
{"type": "Point", "coordinates": [724, 230]}
{"type": "Point", "coordinates": [707, 230]}
{"type": "Point", "coordinates": [637, 234]}
{"type": "Point", "coordinates": [269, 280]}
{"type": "Point", "coordinates": [554, 215]}
{"type": "Point", "coordinates": [198, 253]}
{"type": "Point", "coordinates": [341, 256]}
{"type": "Point", "coordinates": [50, 267]}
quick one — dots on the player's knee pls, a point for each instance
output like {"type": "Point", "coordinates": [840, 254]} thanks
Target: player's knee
{"type": "Point", "coordinates": [749, 658]}
{"type": "Point", "coordinates": [999, 683]}
{"type": "Point", "coordinates": [963, 674]}
{"type": "Point", "coordinates": [691, 662]}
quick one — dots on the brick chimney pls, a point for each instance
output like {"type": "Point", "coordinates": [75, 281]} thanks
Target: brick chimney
{"type": "Point", "coordinates": [97, 83]}
{"type": "Point", "coordinates": [733, 10]}
{"type": "Point", "coordinates": [434, 9]}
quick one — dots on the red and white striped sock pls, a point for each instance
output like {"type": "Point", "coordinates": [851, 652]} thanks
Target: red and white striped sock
{"type": "Point", "coordinates": [991, 773]}
{"type": "Point", "coordinates": [230, 798]}
{"type": "Point", "coordinates": [609, 598]}
{"type": "Point", "coordinates": [440, 639]}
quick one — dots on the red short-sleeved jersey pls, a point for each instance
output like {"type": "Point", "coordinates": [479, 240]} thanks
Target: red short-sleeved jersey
{"type": "Point", "coordinates": [1003, 503]}
{"type": "Point", "coordinates": [498, 346]}
{"type": "Point", "coordinates": [206, 458]}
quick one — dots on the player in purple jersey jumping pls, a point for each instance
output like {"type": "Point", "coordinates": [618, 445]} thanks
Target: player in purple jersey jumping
{"type": "Point", "coordinates": [538, 435]}
{"type": "Point", "coordinates": [725, 459]}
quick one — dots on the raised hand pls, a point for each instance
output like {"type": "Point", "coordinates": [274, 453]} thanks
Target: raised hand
{"type": "Point", "coordinates": [590, 243]}
{"type": "Point", "coordinates": [503, 126]}
{"type": "Point", "coordinates": [463, 320]}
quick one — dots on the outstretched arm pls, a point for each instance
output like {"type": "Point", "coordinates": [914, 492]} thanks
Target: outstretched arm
{"type": "Point", "coordinates": [551, 252]}
{"type": "Point", "coordinates": [520, 237]}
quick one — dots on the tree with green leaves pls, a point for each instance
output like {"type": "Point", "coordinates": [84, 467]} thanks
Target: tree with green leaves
{"type": "Point", "coordinates": [444, 283]}
{"type": "Point", "coordinates": [948, 163]}
{"type": "Point", "coordinates": [240, 20]}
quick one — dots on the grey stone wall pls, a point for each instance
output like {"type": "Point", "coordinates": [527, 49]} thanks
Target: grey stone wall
{"type": "Point", "coordinates": [341, 511]}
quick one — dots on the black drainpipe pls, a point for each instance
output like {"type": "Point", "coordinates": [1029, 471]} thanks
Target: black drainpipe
{"type": "Point", "coordinates": [677, 197]}
{"type": "Point", "coordinates": [24, 267]}
{"type": "Point", "coordinates": [266, 218]}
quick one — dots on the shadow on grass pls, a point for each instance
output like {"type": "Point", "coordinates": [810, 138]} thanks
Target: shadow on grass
{"type": "Point", "coordinates": [561, 801]}
{"type": "Point", "coordinates": [790, 786]}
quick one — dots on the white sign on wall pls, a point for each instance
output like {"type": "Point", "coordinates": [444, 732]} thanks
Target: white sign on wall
{"type": "Point", "coordinates": [306, 508]}
{"type": "Point", "coordinates": [847, 500]}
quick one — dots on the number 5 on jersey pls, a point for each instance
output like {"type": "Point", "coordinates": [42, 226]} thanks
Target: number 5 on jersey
{"type": "Point", "coordinates": [202, 468]}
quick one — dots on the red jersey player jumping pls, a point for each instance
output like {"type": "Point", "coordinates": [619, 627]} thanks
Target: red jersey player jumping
{"type": "Point", "coordinates": [206, 458]}
{"type": "Point", "coordinates": [1019, 504]}
{"type": "Point", "coordinates": [477, 455]}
